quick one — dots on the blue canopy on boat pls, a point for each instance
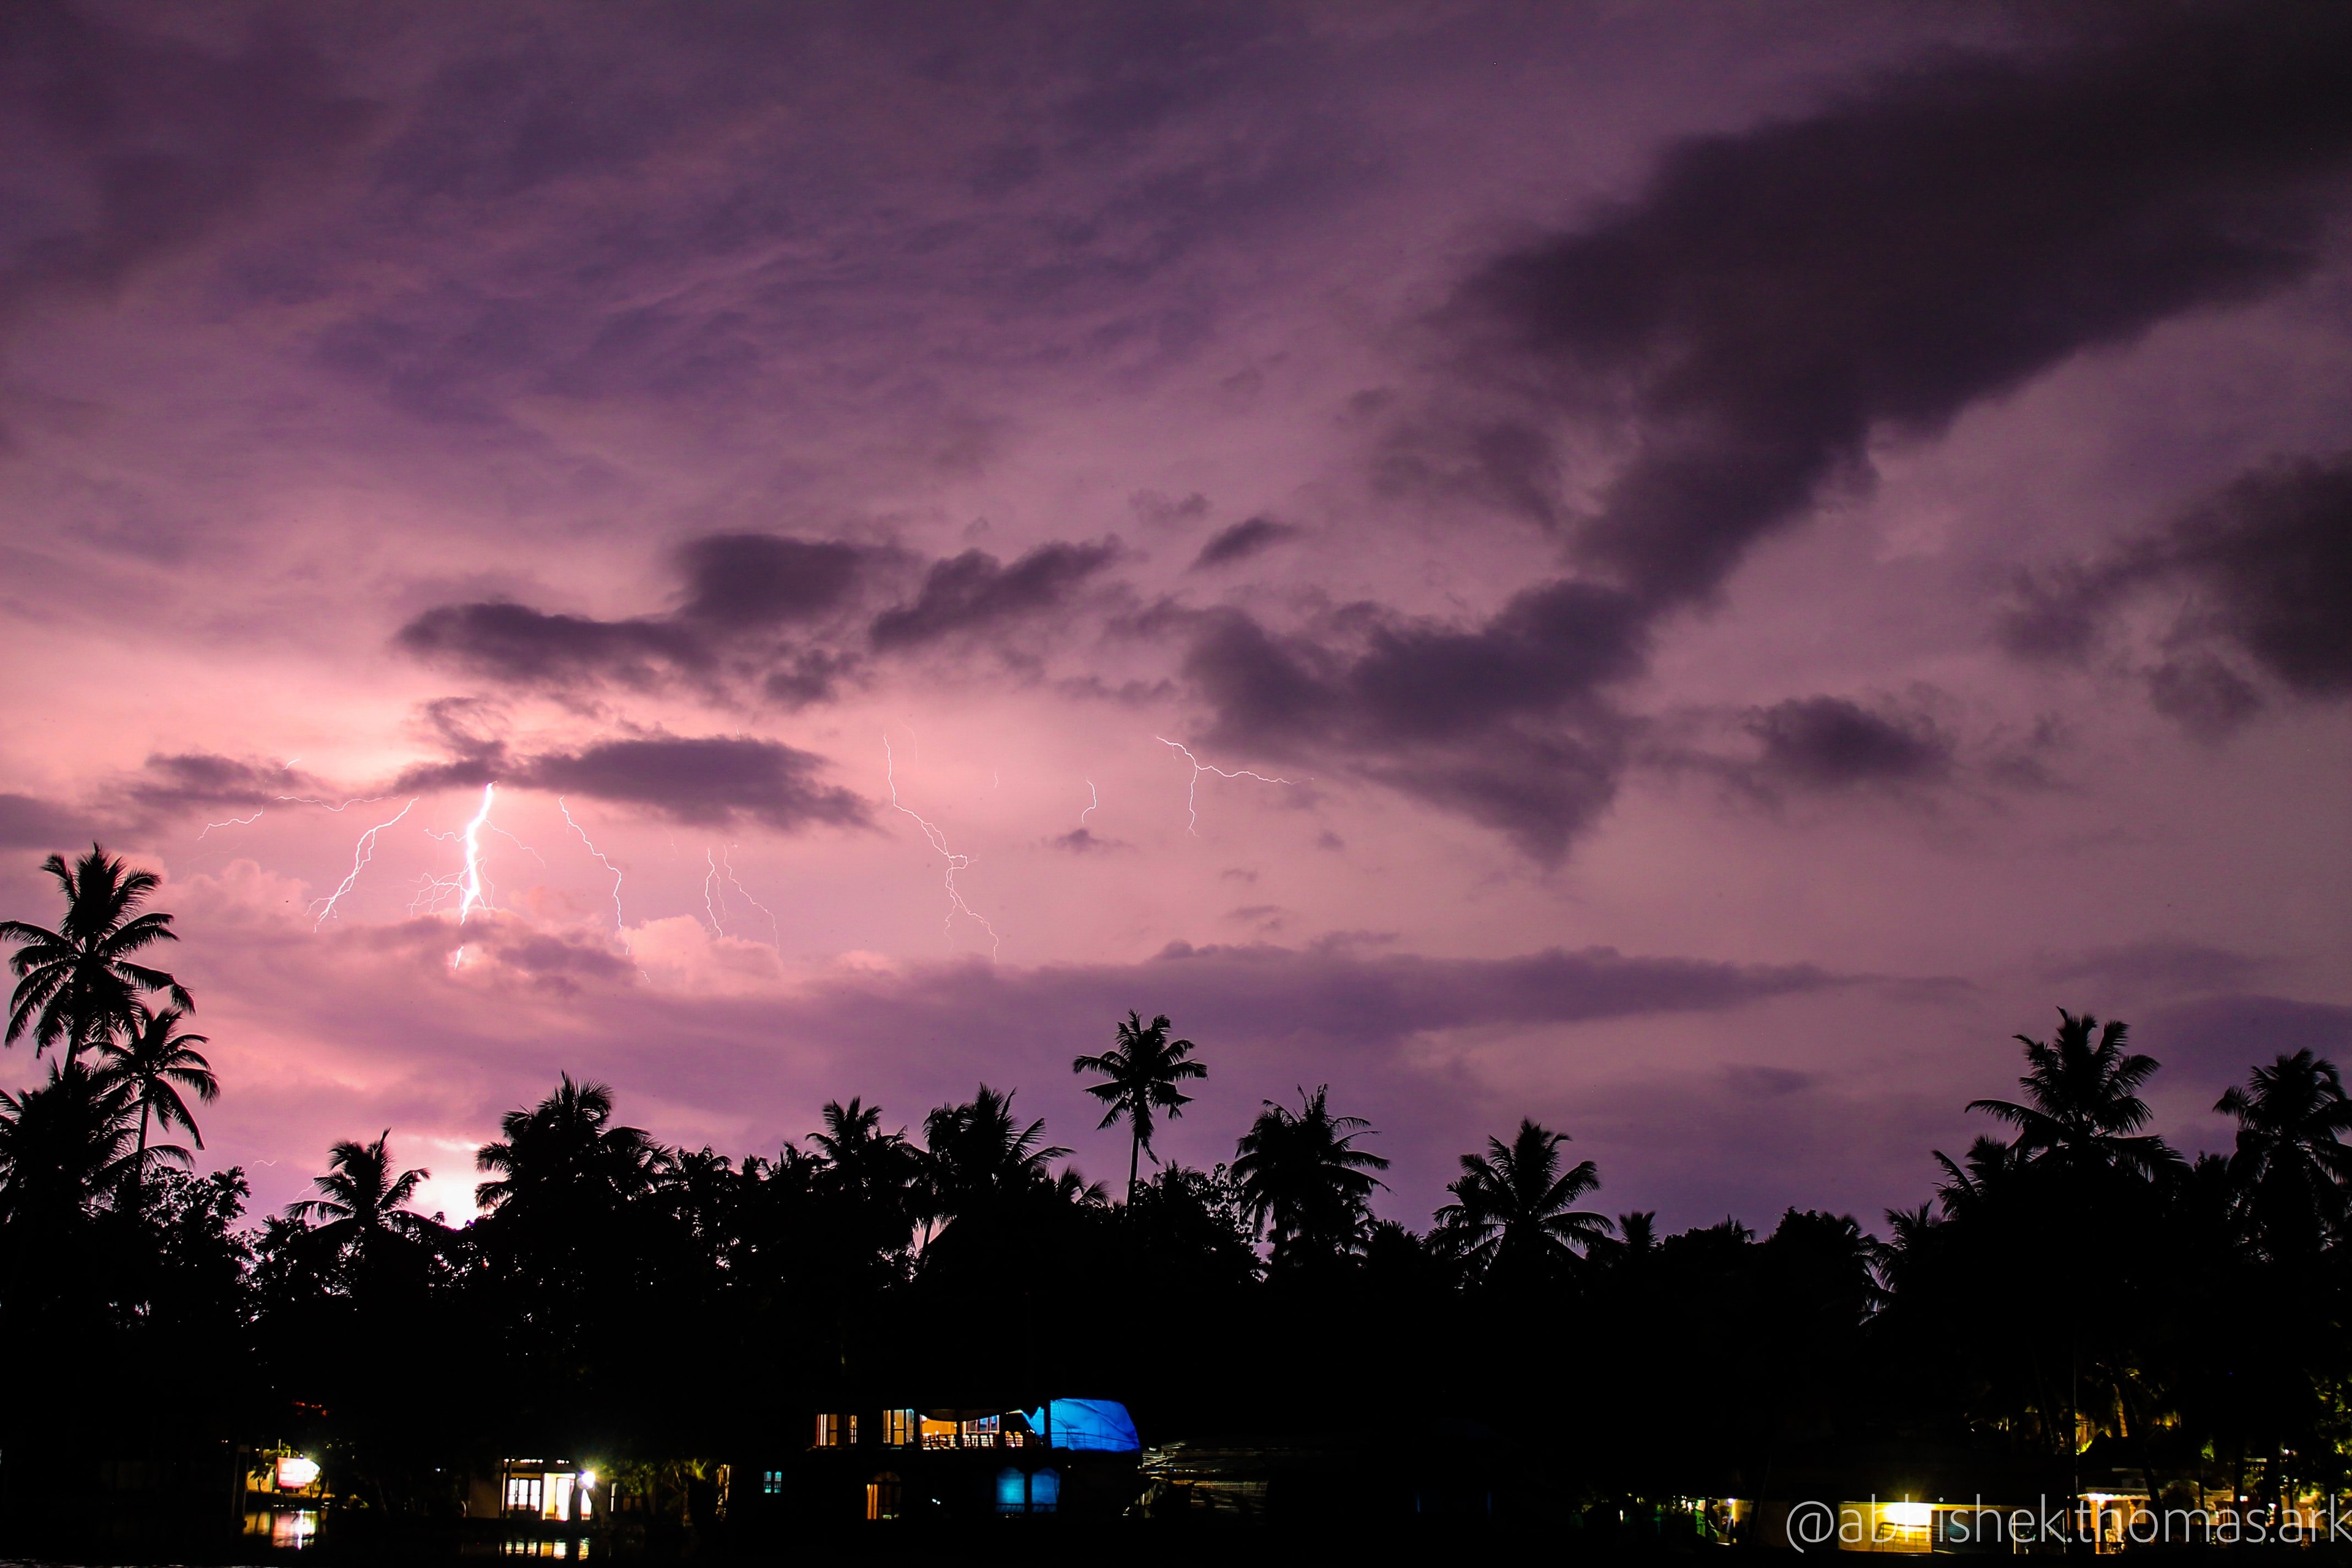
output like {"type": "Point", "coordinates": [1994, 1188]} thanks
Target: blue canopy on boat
{"type": "Point", "coordinates": [1097, 1425]}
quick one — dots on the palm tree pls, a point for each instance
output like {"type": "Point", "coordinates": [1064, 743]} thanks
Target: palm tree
{"type": "Point", "coordinates": [77, 983]}
{"type": "Point", "coordinates": [563, 1151]}
{"type": "Point", "coordinates": [976, 1155]}
{"type": "Point", "coordinates": [62, 1146]}
{"type": "Point", "coordinates": [362, 1204]}
{"type": "Point", "coordinates": [1512, 1214]}
{"type": "Point", "coordinates": [2084, 1106]}
{"type": "Point", "coordinates": [1140, 1074]}
{"type": "Point", "coordinates": [1303, 1179]}
{"type": "Point", "coordinates": [2291, 1171]}
{"type": "Point", "coordinates": [156, 1061]}
{"type": "Point", "coordinates": [880, 1174]}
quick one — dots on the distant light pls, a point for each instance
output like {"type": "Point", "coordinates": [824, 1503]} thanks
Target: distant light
{"type": "Point", "coordinates": [587, 1477]}
{"type": "Point", "coordinates": [1910, 1515]}
{"type": "Point", "coordinates": [295, 1472]}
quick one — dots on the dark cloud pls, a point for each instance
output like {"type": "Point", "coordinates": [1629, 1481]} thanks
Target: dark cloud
{"type": "Point", "coordinates": [740, 591]}
{"type": "Point", "coordinates": [2212, 1041]}
{"type": "Point", "coordinates": [127, 148]}
{"type": "Point", "coordinates": [1771, 298]}
{"type": "Point", "coordinates": [745, 597]}
{"type": "Point", "coordinates": [764, 579]}
{"type": "Point", "coordinates": [1250, 537]}
{"type": "Point", "coordinates": [1833, 743]}
{"type": "Point", "coordinates": [1744, 324]}
{"type": "Point", "coordinates": [2262, 571]}
{"type": "Point", "coordinates": [706, 781]}
{"type": "Point", "coordinates": [28, 821]}
{"type": "Point", "coordinates": [1081, 841]}
{"type": "Point", "coordinates": [2157, 967]}
{"type": "Point", "coordinates": [974, 590]}
{"type": "Point", "coordinates": [1754, 1082]}
{"type": "Point", "coordinates": [514, 642]}
{"type": "Point", "coordinates": [1501, 720]}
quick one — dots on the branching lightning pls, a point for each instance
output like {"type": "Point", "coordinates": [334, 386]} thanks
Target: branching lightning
{"type": "Point", "coordinates": [1192, 787]}
{"type": "Point", "coordinates": [938, 842]}
{"type": "Point", "coordinates": [1093, 805]}
{"type": "Point", "coordinates": [775, 936]}
{"type": "Point", "coordinates": [470, 883]}
{"type": "Point", "coordinates": [232, 822]}
{"type": "Point", "coordinates": [362, 853]}
{"type": "Point", "coordinates": [312, 800]}
{"type": "Point", "coordinates": [619, 930]}
{"type": "Point", "coordinates": [711, 887]}
{"type": "Point", "coordinates": [469, 887]}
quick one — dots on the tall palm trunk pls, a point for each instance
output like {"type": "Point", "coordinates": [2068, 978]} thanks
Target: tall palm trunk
{"type": "Point", "coordinates": [139, 1163]}
{"type": "Point", "coordinates": [1134, 1156]}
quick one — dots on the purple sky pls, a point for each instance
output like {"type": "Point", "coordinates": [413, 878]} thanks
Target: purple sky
{"type": "Point", "coordinates": [1764, 549]}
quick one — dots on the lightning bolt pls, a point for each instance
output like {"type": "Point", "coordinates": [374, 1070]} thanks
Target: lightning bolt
{"type": "Point", "coordinates": [308, 800]}
{"type": "Point", "coordinates": [727, 861]}
{"type": "Point", "coordinates": [618, 928]}
{"type": "Point", "coordinates": [1191, 788]}
{"type": "Point", "coordinates": [710, 886]}
{"type": "Point", "coordinates": [469, 882]}
{"type": "Point", "coordinates": [232, 822]}
{"type": "Point", "coordinates": [362, 853]}
{"type": "Point", "coordinates": [939, 841]}
{"type": "Point", "coordinates": [1095, 803]}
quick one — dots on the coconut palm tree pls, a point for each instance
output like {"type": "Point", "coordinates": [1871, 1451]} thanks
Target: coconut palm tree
{"type": "Point", "coordinates": [77, 982]}
{"type": "Point", "coordinates": [879, 1173]}
{"type": "Point", "coordinates": [155, 1062]}
{"type": "Point", "coordinates": [1140, 1072]}
{"type": "Point", "coordinates": [63, 1147]}
{"type": "Point", "coordinates": [361, 1205]}
{"type": "Point", "coordinates": [2083, 1107]}
{"type": "Point", "coordinates": [1512, 1215]}
{"type": "Point", "coordinates": [2291, 1170]}
{"type": "Point", "coordinates": [563, 1154]}
{"type": "Point", "coordinates": [1303, 1179]}
{"type": "Point", "coordinates": [977, 1156]}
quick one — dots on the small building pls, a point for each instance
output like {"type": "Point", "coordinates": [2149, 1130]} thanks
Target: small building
{"type": "Point", "coordinates": [900, 1461]}
{"type": "Point", "coordinates": [538, 1491]}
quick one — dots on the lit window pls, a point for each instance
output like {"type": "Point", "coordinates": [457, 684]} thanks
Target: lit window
{"type": "Point", "coordinates": [522, 1493]}
{"type": "Point", "coordinates": [898, 1428]}
{"type": "Point", "coordinates": [772, 1482]}
{"type": "Point", "coordinates": [882, 1495]}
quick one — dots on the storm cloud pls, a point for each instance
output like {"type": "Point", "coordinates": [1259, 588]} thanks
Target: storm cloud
{"type": "Point", "coordinates": [2262, 571]}
{"type": "Point", "coordinates": [713, 781]}
{"type": "Point", "coordinates": [976, 591]}
{"type": "Point", "coordinates": [1765, 304]}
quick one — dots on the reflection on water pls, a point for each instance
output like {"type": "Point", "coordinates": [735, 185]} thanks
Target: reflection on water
{"type": "Point", "coordinates": [291, 1529]}
{"type": "Point", "coordinates": [520, 1547]}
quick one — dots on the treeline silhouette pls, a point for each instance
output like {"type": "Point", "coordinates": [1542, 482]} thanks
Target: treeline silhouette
{"type": "Point", "coordinates": [2073, 1285]}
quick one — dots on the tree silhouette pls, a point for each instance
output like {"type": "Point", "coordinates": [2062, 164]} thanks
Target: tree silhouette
{"type": "Point", "coordinates": [562, 1154]}
{"type": "Point", "coordinates": [63, 1147]}
{"type": "Point", "coordinates": [77, 982]}
{"type": "Point", "coordinates": [1512, 1218]}
{"type": "Point", "coordinates": [155, 1062]}
{"type": "Point", "coordinates": [2084, 1107]}
{"type": "Point", "coordinates": [2291, 1170]}
{"type": "Point", "coordinates": [878, 1175]}
{"type": "Point", "coordinates": [1140, 1075]}
{"type": "Point", "coordinates": [361, 1205]}
{"type": "Point", "coordinates": [976, 1156]}
{"type": "Point", "coordinates": [1303, 1179]}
